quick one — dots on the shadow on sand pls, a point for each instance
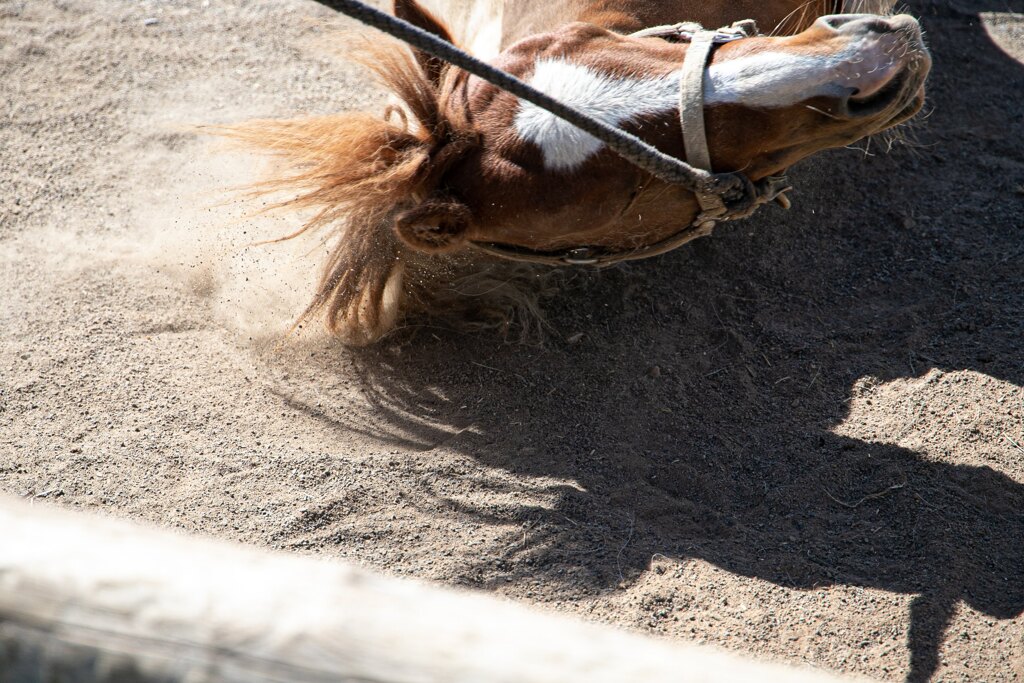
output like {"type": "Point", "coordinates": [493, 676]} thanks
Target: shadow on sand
{"type": "Point", "coordinates": [891, 266]}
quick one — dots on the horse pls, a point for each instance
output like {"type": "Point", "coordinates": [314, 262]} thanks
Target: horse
{"type": "Point", "coordinates": [457, 168]}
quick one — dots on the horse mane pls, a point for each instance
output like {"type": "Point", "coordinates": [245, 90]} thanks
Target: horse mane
{"type": "Point", "coordinates": [359, 173]}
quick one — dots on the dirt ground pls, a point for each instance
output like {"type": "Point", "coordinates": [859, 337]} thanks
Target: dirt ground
{"type": "Point", "coordinates": [801, 438]}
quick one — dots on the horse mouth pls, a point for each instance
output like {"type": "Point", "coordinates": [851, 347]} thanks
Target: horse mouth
{"type": "Point", "coordinates": [890, 94]}
{"type": "Point", "coordinates": [913, 106]}
{"type": "Point", "coordinates": [903, 94]}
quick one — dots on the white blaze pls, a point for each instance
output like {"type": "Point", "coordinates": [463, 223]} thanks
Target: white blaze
{"type": "Point", "coordinates": [603, 96]}
{"type": "Point", "coordinates": [770, 80]}
{"type": "Point", "coordinates": [765, 80]}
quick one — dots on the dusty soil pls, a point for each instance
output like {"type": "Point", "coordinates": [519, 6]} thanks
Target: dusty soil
{"type": "Point", "coordinates": [802, 437]}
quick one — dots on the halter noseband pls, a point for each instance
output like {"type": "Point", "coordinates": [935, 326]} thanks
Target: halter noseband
{"type": "Point", "coordinates": [698, 155]}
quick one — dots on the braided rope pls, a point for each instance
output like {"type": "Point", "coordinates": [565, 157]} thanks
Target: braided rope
{"type": "Point", "coordinates": [626, 145]}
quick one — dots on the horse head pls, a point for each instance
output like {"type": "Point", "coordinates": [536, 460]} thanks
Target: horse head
{"type": "Point", "coordinates": [459, 163]}
{"type": "Point", "coordinates": [536, 182]}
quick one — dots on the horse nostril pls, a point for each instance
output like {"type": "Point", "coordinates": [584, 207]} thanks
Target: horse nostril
{"type": "Point", "coordinates": [836, 21]}
{"type": "Point", "coordinates": [856, 23]}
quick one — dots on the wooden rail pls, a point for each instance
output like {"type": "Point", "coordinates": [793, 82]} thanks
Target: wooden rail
{"type": "Point", "coordinates": [88, 599]}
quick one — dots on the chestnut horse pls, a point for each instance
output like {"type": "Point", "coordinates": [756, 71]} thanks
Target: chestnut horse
{"type": "Point", "coordinates": [460, 165]}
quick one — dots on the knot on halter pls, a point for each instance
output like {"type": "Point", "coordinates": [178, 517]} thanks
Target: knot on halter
{"type": "Point", "coordinates": [731, 196]}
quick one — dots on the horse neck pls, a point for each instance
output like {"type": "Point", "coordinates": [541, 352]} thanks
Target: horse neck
{"type": "Point", "coordinates": [522, 18]}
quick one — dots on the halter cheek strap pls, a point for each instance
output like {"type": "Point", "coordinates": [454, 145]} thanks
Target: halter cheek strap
{"type": "Point", "coordinates": [691, 100]}
{"type": "Point", "coordinates": [691, 116]}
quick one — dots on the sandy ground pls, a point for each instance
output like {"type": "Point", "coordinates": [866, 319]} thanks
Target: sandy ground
{"type": "Point", "coordinates": [802, 437]}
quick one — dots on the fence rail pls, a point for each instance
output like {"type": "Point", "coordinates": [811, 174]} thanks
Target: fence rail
{"type": "Point", "coordinates": [85, 598]}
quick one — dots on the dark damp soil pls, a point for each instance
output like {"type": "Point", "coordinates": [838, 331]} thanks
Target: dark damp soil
{"type": "Point", "coordinates": [802, 437]}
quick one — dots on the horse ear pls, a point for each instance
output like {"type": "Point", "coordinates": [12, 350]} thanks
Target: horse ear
{"type": "Point", "coordinates": [436, 226]}
{"type": "Point", "coordinates": [420, 16]}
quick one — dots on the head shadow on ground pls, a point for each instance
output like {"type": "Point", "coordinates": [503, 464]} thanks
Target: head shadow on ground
{"type": "Point", "coordinates": [698, 412]}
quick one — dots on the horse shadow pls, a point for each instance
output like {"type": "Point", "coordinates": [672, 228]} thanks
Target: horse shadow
{"type": "Point", "coordinates": [701, 404]}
